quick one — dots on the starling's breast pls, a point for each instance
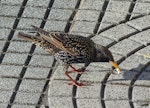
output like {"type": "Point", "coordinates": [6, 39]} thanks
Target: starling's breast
{"type": "Point", "coordinates": [67, 58]}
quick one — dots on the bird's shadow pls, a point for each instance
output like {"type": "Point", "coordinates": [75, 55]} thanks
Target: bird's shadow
{"type": "Point", "coordinates": [137, 73]}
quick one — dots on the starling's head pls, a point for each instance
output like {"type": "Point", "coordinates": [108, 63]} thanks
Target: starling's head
{"type": "Point", "coordinates": [102, 54]}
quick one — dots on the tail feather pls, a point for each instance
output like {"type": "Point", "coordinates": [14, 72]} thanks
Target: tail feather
{"type": "Point", "coordinates": [41, 31]}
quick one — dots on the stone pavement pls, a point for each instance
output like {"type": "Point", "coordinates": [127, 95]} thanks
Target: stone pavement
{"type": "Point", "coordinates": [29, 77]}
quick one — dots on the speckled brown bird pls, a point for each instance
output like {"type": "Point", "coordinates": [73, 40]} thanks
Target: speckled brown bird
{"type": "Point", "coordinates": [70, 49]}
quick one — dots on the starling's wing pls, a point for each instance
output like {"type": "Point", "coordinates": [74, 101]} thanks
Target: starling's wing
{"type": "Point", "coordinates": [73, 44]}
{"type": "Point", "coordinates": [39, 41]}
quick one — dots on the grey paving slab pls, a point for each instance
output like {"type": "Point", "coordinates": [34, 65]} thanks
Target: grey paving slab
{"type": "Point", "coordinates": [134, 63]}
{"type": "Point", "coordinates": [22, 106]}
{"type": "Point", "coordinates": [99, 39]}
{"type": "Point", "coordinates": [7, 21]}
{"type": "Point", "coordinates": [66, 102]}
{"type": "Point", "coordinates": [2, 43]}
{"type": "Point", "coordinates": [20, 47]}
{"type": "Point", "coordinates": [9, 10]}
{"type": "Point", "coordinates": [118, 32]}
{"type": "Point", "coordinates": [55, 91]}
{"type": "Point", "coordinates": [139, 95]}
{"type": "Point", "coordinates": [125, 47]}
{"type": "Point", "coordinates": [11, 2]}
{"type": "Point", "coordinates": [70, 4]}
{"type": "Point", "coordinates": [27, 98]}
{"type": "Point", "coordinates": [4, 33]}
{"type": "Point", "coordinates": [114, 17]}
{"type": "Point", "coordinates": [87, 28]}
{"type": "Point", "coordinates": [31, 85]}
{"type": "Point", "coordinates": [62, 14]}
{"type": "Point", "coordinates": [37, 72]}
{"type": "Point", "coordinates": [5, 95]}
{"type": "Point", "coordinates": [142, 7]}
{"type": "Point", "coordinates": [85, 93]}
{"type": "Point", "coordinates": [87, 15]}
{"type": "Point", "coordinates": [140, 23]}
{"type": "Point", "coordinates": [34, 12]}
{"type": "Point", "coordinates": [117, 104]}
{"type": "Point", "coordinates": [45, 61]}
{"type": "Point", "coordinates": [142, 37]}
{"type": "Point", "coordinates": [88, 103]}
{"type": "Point", "coordinates": [14, 58]}
{"type": "Point", "coordinates": [38, 3]}
{"type": "Point", "coordinates": [118, 6]}
{"type": "Point", "coordinates": [116, 92]}
{"type": "Point", "coordinates": [7, 70]}
{"type": "Point", "coordinates": [55, 25]}
{"type": "Point", "coordinates": [92, 4]}
{"type": "Point", "coordinates": [8, 83]}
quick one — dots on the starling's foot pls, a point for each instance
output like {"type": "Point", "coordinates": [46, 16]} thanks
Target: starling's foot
{"type": "Point", "coordinates": [79, 71]}
{"type": "Point", "coordinates": [77, 84]}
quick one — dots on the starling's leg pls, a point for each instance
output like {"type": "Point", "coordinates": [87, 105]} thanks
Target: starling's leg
{"type": "Point", "coordinates": [80, 70]}
{"type": "Point", "coordinates": [73, 82]}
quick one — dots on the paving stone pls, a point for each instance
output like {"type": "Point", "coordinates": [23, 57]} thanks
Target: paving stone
{"type": "Point", "coordinates": [118, 32]}
{"type": "Point", "coordinates": [140, 23]}
{"type": "Point", "coordinates": [27, 98]}
{"type": "Point", "coordinates": [12, 70]}
{"type": "Point", "coordinates": [20, 47]}
{"type": "Point", "coordinates": [65, 4]}
{"type": "Point", "coordinates": [83, 26]}
{"type": "Point", "coordinates": [5, 96]}
{"type": "Point", "coordinates": [59, 88]}
{"type": "Point", "coordinates": [60, 102]}
{"type": "Point", "coordinates": [116, 92]}
{"type": "Point", "coordinates": [38, 3]}
{"type": "Point", "coordinates": [87, 15]}
{"type": "Point", "coordinates": [104, 25]}
{"type": "Point", "coordinates": [88, 103]}
{"type": "Point", "coordinates": [141, 104]}
{"type": "Point", "coordinates": [36, 72]}
{"type": "Point", "coordinates": [38, 60]}
{"type": "Point", "coordinates": [32, 85]}
{"type": "Point", "coordinates": [14, 58]}
{"type": "Point", "coordinates": [28, 23]}
{"type": "Point", "coordinates": [52, 25]}
{"type": "Point", "coordinates": [11, 2]}
{"type": "Point", "coordinates": [40, 51]}
{"type": "Point", "coordinates": [142, 37]}
{"type": "Point", "coordinates": [22, 106]}
{"type": "Point", "coordinates": [144, 52]}
{"type": "Point", "coordinates": [85, 92]}
{"type": "Point", "coordinates": [99, 39]}
{"type": "Point", "coordinates": [92, 4]}
{"type": "Point", "coordinates": [2, 43]}
{"type": "Point", "coordinates": [59, 14]}
{"type": "Point", "coordinates": [96, 71]}
{"type": "Point", "coordinates": [4, 33]}
{"type": "Point", "coordinates": [34, 12]}
{"type": "Point", "coordinates": [117, 104]}
{"type": "Point", "coordinates": [142, 8]}
{"type": "Point", "coordinates": [118, 6]}
{"type": "Point", "coordinates": [122, 79]}
{"type": "Point", "coordinates": [8, 83]}
{"type": "Point", "coordinates": [141, 94]}
{"type": "Point", "coordinates": [125, 47]}
{"type": "Point", "coordinates": [114, 17]}
{"type": "Point", "coordinates": [134, 63]}
{"type": "Point", "coordinates": [9, 10]}
{"type": "Point", "coordinates": [7, 21]}
{"type": "Point", "coordinates": [3, 105]}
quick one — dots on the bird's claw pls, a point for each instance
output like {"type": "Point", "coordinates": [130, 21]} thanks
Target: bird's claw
{"type": "Point", "coordinates": [77, 84]}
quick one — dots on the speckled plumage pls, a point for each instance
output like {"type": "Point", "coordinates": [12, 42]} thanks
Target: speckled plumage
{"type": "Point", "coordinates": [71, 49]}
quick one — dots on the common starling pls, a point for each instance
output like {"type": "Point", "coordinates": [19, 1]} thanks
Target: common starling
{"type": "Point", "coordinates": [69, 49]}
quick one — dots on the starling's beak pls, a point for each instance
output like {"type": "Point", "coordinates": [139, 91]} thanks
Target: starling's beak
{"type": "Point", "coordinates": [115, 65]}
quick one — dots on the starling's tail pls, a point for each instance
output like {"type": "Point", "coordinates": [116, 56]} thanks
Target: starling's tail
{"type": "Point", "coordinates": [41, 31]}
{"type": "Point", "coordinates": [30, 38]}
